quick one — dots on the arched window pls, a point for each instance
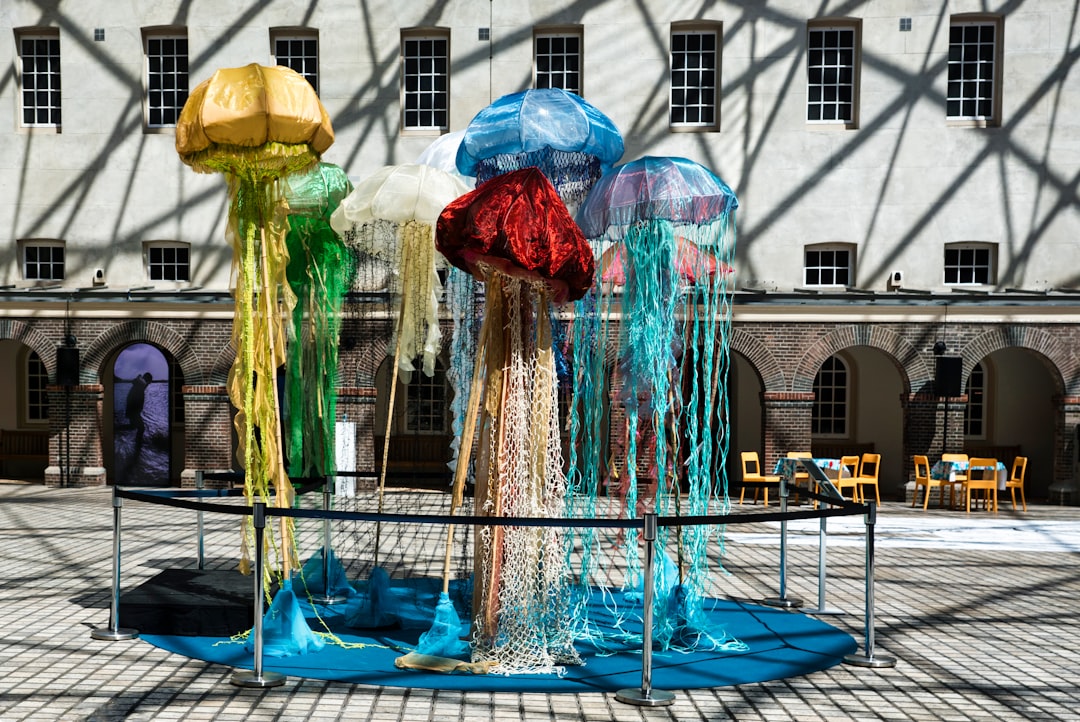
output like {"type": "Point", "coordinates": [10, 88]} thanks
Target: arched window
{"type": "Point", "coordinates": [830, 412]}
{"type": "Point", "coordinates": [975, 411]}
{"type": "Point", "coordinates": [37, 398]}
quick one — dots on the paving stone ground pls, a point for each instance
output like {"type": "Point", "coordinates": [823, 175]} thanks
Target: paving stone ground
{"type": "Point", "coordinates": [982, 613]}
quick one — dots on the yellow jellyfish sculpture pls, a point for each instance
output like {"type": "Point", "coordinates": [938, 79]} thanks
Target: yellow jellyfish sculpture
{"type": "Point", "coordinates": [257, 125]}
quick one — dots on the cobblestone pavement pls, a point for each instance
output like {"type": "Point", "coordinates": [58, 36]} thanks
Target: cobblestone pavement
{"type": "Point", "coordinates": [981, 613]}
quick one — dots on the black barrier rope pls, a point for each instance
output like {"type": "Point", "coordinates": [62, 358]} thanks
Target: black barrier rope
{"type": "Point", "coordinates": [259, 511]}
{"type": "Point", "coordinates": [167, 498]}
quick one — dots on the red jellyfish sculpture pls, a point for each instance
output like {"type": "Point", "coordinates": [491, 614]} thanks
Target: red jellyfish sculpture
{"type": "Point", "coordinates": [516, 235]}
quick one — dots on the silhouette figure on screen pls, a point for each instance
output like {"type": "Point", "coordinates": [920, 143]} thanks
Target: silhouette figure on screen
{"type": "Point", "coordinates": [135, 401]}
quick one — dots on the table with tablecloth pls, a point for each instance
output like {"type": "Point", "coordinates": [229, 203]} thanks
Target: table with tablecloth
{"type": "Point", "coordinates": [787, 467]}
{"type": "Point", "coordinates": [948, 470]}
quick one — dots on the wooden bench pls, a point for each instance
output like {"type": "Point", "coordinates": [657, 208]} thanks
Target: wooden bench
{"type": "Point", "coordinates": [1004, 454]}
{"type": "Point", "coordinates": [415, 460]}
{"type": "Point", "coordinates": [834, 450]}
{"type": "Point", "coordinates": [23, 444]}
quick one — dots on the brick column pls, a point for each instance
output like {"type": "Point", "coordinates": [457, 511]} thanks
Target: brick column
{"type": "Point", "coordinates": [786, 417]}
{"type": "Point", "coordinates": [75, 436]}
{"type": "Point", "coordinates": [208, 424]}
{"type": "Point", "coordinates": [1068, 416]}
{"type": "Point", "coordinates": [922, 432]}
{"type": "Point", "coordinates": [952, 409]}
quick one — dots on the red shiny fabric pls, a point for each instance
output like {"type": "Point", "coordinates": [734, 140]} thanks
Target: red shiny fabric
{"type": "Point", "coordinates": [517, 224]}
{"type": "Point", "coordinates": [690, 261]}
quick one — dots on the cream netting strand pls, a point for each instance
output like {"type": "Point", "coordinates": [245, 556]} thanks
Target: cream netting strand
{"type": "Point", "coordinates": [409, 249]}
{"type": "Point", "coordinates": [522, 613]}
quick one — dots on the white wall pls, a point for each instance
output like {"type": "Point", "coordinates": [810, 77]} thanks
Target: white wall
{"type": "Point", "coordinates": [900, 186]}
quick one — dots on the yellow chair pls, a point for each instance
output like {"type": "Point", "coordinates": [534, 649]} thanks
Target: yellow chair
{"type": "Point", "coordinates": [1016, 480]}
{"type": "Point", "coordinates": [800, 477]}
{"type": "Point", "coordinates": [751, 474]}
{"type": "Point", "coordinates": [923, 479]}
{"type": "Point", "coordinates": [982, 476]}
{"type": "Point", "coordinates": [868, 475]}
{"type": "Point", "coordinates": [961, 477]}
{"type": "Point", "coordinates": [847, 477]}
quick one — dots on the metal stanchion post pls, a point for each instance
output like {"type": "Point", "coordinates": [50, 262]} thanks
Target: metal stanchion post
{"type": "Point", "coordinates": [200, 552]}
{"type": "Point", "coordinates": [326, 597]}
{"type": "Point", "coordinates": [868, 659]}
{"type": "Point", "coordinates": [256, 677]}
{"type": "Point", "coordinates": [647, 696]}
{"type": "Point", "coordinates": [783, 600]}
{"type": "Point", "coordinates": [821, 606]}
{"type": "Point", "coordinates": [826, 487]}
{"type": "Point", "coordinates": [115, 632]}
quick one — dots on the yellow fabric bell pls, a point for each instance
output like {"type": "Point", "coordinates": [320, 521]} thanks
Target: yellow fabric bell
{"type": "Point", "coordinates": [253, 107]}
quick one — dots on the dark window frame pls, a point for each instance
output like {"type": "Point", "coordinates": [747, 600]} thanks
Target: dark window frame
{"type": "Point", "coordinates": [694, 57]}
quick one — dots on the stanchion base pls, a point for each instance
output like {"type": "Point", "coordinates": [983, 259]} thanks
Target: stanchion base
{"type": "Point", "coordinates": [641, 698]}
{"type": "Point", "coordinates": [329, 600]}
{"type": "Point", "coordinates": [248, 678]}
{"type": "Point", "coordinates": [822, 610]}
{"type": "Point", "coordinates": [861, 660]}
{"type": "Point", "coordinates": [782, 602]}
{"type": "Point", "coordinates": [114, 635]}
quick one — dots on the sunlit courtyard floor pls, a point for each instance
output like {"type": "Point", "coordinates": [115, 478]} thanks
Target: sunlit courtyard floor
{"type": "Point", "coordinates": [978, 610]}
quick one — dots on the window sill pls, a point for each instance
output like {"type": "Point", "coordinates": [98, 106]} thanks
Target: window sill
{"type": "Point", "coordinates": [39, 129]}
{"type": "Point", "coordinates": [715, 128]}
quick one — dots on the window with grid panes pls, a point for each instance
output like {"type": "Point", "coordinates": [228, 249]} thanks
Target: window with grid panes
{"type": "Point", "coordinates": [301, 53]}
{"type": "Point", "coordinates": [830, 409]}
{"type": "Point", "coordinates": [830, 75]}
{"type": "Point", "coordinates": [168, 262]}
{"type": "Point", "coordinates": [166, 78]}
{"type": "Point", "coordinates": [694, 78]}
{"type": "Point", "coordinates": [426, 82]}
{"type": "Point", "coordinates": [37, 398]}
{"type": "Point", "coordinates": [975, 410]}
{"type": "Point", "coordinates": [558, 61]}
{"type": "Point", "coordinates": [969, 264]}
{"type": "Point", "coordinates": [827, 266]}
{"type": "Point", "coordinates": [425, 401]}
{"type": "Point", "coordinates": [971, 70]}
{"type": "Point", "coordinates": [39, 58]}
{"type": "Point", "coordinates": [43, 262]}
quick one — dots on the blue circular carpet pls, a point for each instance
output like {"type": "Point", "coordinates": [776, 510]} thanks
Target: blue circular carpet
{"type": "Point", "coordinates": [778, 644]}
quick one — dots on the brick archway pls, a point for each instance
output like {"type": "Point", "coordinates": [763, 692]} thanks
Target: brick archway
{"type": "Point", "coordinates": [1055, 355]}
{"type": "Point", "coordinates": [102, 347]}
{"type": "Point", "coordinates": [758, 355]}
{"type": "Point", "coordinates": [36, 341]}
{"type": "Point", "coordinates": [915, 372]}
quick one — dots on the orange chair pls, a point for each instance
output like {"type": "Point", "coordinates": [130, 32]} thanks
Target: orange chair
{"type": "Point", "coordinates": [751, 474]}
{"type": "Point", "coordinates": [1016, 480]}
{"type": "Point", "coordinates": [868, 475]}
{"type": "Point", "coordinates": [847, 477]}
{"type": "Point", "coordinates": [982, 476]}
{"type": "Point", "coordinates": [923, 479]}
{"type": "Point", "coordinates": [960, 478]}
{"type": "Point", "coordinates": [800, 477]}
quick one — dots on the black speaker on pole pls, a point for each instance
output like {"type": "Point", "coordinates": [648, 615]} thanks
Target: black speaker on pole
{"type": "Point", "coordinates": [947, 379]}
{"type": "Point", "coordinates": [67, 366]}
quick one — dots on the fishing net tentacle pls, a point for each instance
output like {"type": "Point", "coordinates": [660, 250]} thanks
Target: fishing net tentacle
{"type": "Point", "coordinates": [521, 611]}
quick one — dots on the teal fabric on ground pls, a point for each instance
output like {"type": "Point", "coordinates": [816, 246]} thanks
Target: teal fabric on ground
{"type": "Point", "coordinates": [312, 580]}
{"type": "Point", "coordinates": [780, 644]}
{"type": "Point", "coordinates": [377, 607]}
{"type": "Point", "coordinates": [444, 639]}
{"type": "Point", "coordinates": [285, 628]}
